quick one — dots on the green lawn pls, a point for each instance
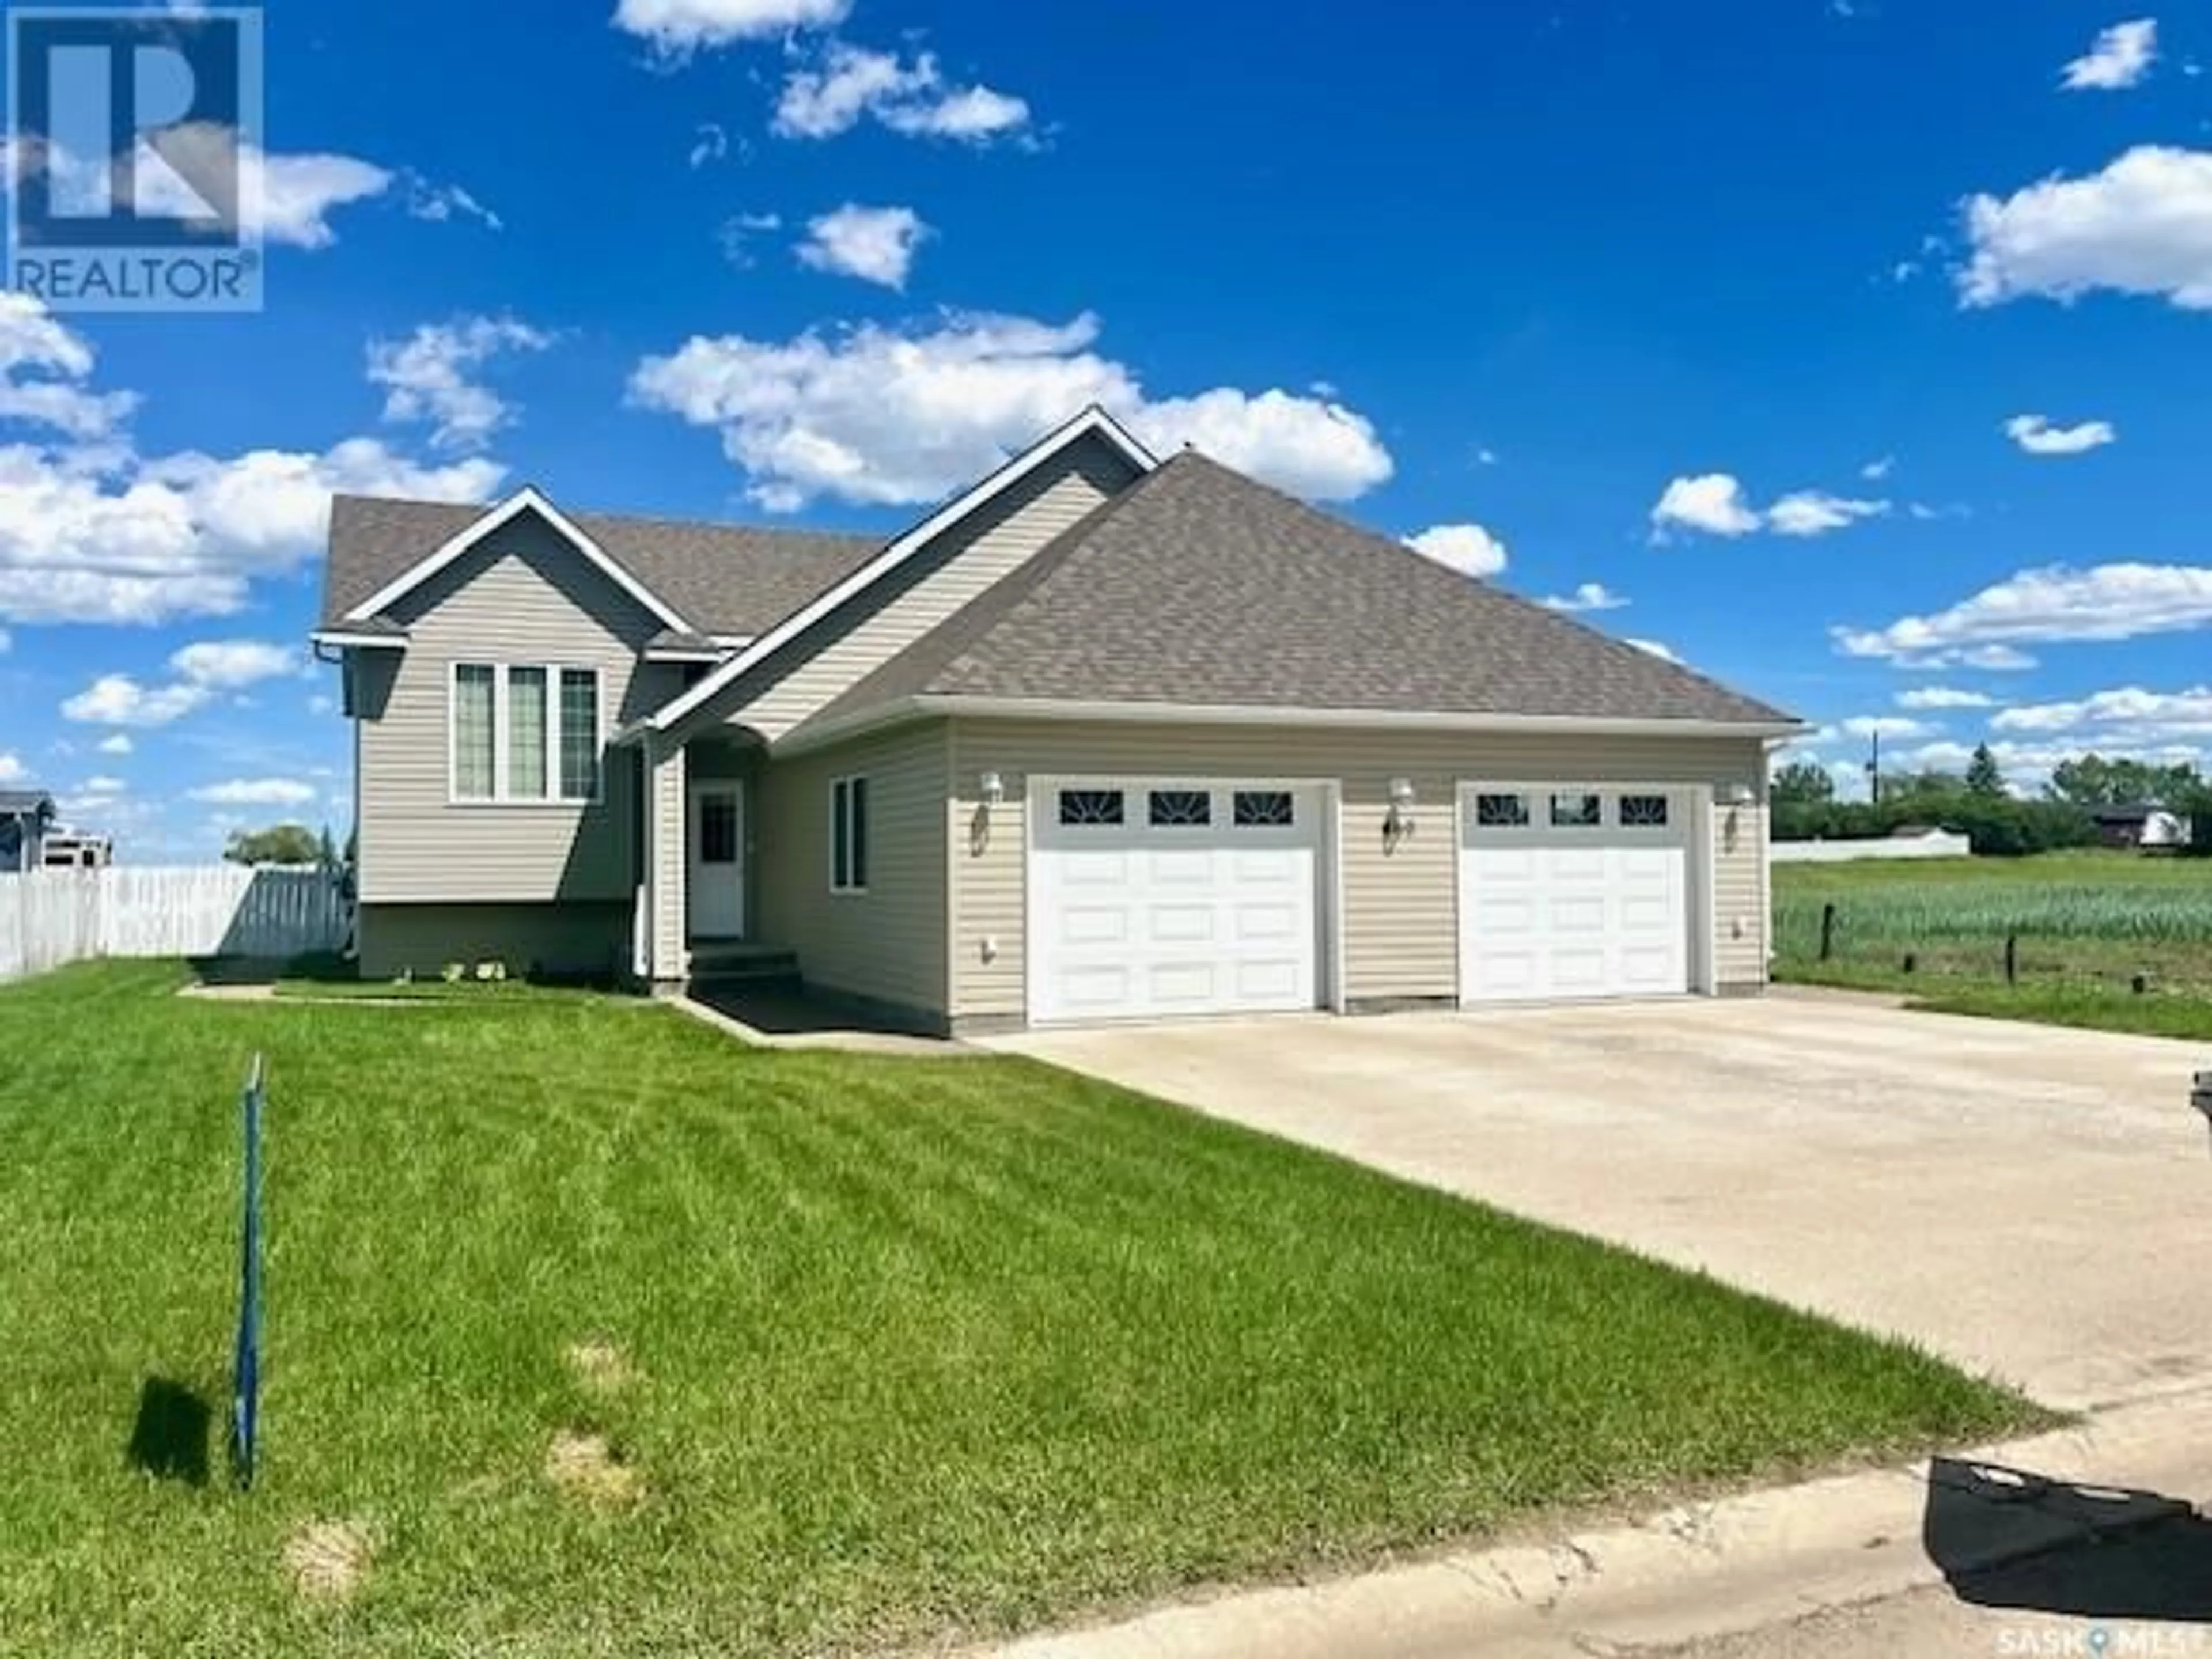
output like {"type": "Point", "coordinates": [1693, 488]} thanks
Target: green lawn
{"type": "Point", "coordinates": [2087, 927]}
{"type": "Point", "coordinates": [887, 1351]}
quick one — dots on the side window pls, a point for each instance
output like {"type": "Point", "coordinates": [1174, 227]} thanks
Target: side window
{"type": "Point", "coordinates": [848, 835]}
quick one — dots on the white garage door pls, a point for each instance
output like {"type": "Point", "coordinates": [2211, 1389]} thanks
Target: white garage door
{"type": "Point", "coordinates": [1567, 891]}
{"type": "Point", "coordinates": [1162, 899]}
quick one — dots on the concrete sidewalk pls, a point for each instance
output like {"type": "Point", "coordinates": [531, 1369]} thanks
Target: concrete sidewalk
{"type": "Point", "coordinates": [1821, 1567]}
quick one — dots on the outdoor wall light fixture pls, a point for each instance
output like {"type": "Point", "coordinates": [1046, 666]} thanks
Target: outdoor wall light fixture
{"type": "Point", "coordinates": [1399, 824]}
{"type": "Point", "coordinates": [995, 790]}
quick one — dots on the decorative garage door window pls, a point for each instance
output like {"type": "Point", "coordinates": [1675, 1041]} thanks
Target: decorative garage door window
{"type": "Point", "coordinates": [1501, 812]}
{"type": "Point", "coordinates": [1090, 806]}
{"type": "Point", "coordinates": [1176, 809]}
{"type": "Point", "coordinates": [1643, 811]}
{"type": "Point", "coordinates": [1266, 809]}
{"type": "Point", "coordinates": [1578, 812]}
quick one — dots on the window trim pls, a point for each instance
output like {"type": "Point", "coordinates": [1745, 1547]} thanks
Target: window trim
{"type": "Point", "coordinates": [841, 825]}
{"type": "Point", "coordinates": [503, 796]}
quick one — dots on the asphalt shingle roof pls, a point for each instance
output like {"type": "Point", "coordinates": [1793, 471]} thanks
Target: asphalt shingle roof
{"type": "Point", "coordinates": [1198, 585]}
{"type": "Point", "coordinates": [725, 579]}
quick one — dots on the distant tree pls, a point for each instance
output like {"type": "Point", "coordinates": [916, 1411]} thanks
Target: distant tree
{"type": "Point", "coordinates": [287, 843]}
{"type": "Point", "coordinates": [326, 850]}
{"type": "Point", "coordinates": [1983, 775]}
{"type": "Point", "coordinates": [1920, 796]}
{"type": "Point", "coordinates": [2094, 780]}
{"type": "Point", "coordinates": [1802, 783]}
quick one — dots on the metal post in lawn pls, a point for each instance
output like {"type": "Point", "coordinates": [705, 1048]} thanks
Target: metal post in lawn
{"type": "Point", "coordinates": [1827, 931]}
{"type": "Point", "coordinates": [2012, 958]}
{"type": "Point", "coordinates": [246, 1372]}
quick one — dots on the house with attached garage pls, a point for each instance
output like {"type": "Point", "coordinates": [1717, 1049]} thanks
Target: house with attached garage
{"type": "Point", "coordinates": [1103, 737]}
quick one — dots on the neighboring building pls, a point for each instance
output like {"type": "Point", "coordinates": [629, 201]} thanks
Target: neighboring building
{"type": "Point", "coordinates": [26, 818]}
{"type": "Point", "coordinates": [1101, 738]}
{"type": "Point", "coordinates": [66, 849]}
{"type": "Point", "coordinates": [2153, 828]}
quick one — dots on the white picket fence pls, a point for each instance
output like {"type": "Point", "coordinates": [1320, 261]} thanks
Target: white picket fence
{"type": "Point", "coordinates": [49, 917]}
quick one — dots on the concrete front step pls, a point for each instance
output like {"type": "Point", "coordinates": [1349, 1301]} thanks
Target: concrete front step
{"type": "Point", "coordinates": [729, 962]}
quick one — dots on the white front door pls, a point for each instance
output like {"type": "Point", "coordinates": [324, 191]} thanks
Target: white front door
{"type": "Point", "coordinates": [717, 846]}
{"type": "Point", "coordinates": [1155, 899]}
{"type": "Point", "coordinates": [1572, 892]}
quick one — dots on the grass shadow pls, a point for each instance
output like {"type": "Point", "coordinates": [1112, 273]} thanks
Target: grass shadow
{"type": "Point", "coordinates": [169, 1438]}
{"type": "Point", "coordinates": [2011, 1539]}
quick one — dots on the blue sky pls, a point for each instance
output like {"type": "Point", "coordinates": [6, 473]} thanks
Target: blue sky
{"type": "Point", "coordinates": [1853, 351]}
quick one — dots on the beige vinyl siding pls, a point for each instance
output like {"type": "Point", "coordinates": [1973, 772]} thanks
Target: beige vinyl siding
{"type": "Point", "coordinates": [991, 542]}
{"type": "Point", "coordinates": [526, 597]}
{"type": "Point", "coordinates": [1400, 919]}
{"type": "Point", "coordinates": [887, 943]}
{"type": "Point", "coordinates": [571, 937]}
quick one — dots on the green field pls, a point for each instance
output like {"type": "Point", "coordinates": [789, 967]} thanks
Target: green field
{"type": "Point", "coordinates": [591, 1332]}
{"type": "Point", "coordinates": [2086, 925]}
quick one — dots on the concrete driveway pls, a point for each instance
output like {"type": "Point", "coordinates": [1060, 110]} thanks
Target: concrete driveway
{"type": "Point", "coordinates": [2034, 1203]}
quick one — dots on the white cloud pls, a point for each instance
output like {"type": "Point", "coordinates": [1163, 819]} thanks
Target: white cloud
{"type": "Point", "coordinates": [1588, 596]}
{"type": "Point", "coordinates": [12, 769]}
{"type": "Point", "coordinates": [427, 376]}
{"type": "Point", "coordinates": [231, 665]}
{"type": "Point", "coordinates": [677, 28]}
{"type": "Point", "coordinates": [119, 700]}
{"type": "Point", "coordinates": [42, 367]}
{"type": "Point", "coordinates": [289, 198]}
{"type": "Point", "coordinates": [2141, 226]}
{"type": "Point", "coordinates": [885, 416]}
{"type": "Point", "coordinates": [116, 743]}
{"type": "Point", "coordinates": [1715, 504]}
{"type": "Point", "coordinates": [2001, 659]}
{"type": "Point", "coordinates": [1876, 470]}
{"type": "Point", "coordinates": [2035, 435]}
{"type": "Point", "coordinates": [1467, 548]}
{"type": "Point", "coordinates": [2119, 58]}
{"type": "Point", "coordinates": [6, 643]}
{"type": "Point", "coordinates": [1658, 648]}
{"type": "Point", "coordinates": [256, 792]}
{"type": "Point", "coordinates": [1886, 726]}
{"type": "Point", "coordinates": [1310, 447]}
{"type": "Point", "coordinates": [737, 233]}
{"type": "Point", "coordinates": [1942, 696]}
{"type": "Point", "coordinates": [852, 83]}
{"type": "Point", "coordinates": [877, 245]}
{"type": "Point", "coordinates": [1815, 513]}
{"type": "Point", "coordinates": [712, 144]}
{"type": "Point", "coordinates": [284, 199]}
{"type": "Point", "coordinates": [1711, 501]}
{"type": "Point", "coordinates": [2134, 715]}
{"type": "Point", "coordinates": [110, 537]}
{"type": "Point", "coordinates": [2104, 602]}
{"type": "Point", "coordinates": [102, 787]}
{"type": "Point", "coordinates": [438, 203]}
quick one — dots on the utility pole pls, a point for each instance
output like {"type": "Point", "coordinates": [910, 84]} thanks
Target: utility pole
{"type": "Point", "coordinates": [1874, 772]}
